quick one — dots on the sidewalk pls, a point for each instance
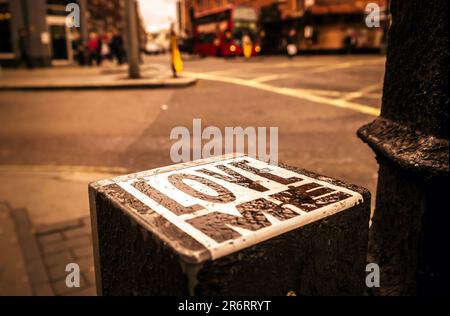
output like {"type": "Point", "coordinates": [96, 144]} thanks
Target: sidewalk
{"type": "Point", "coordinates": [45, 225]}
{"type": "Point", "coordinates": [108, 76]}
{"type": "Point", "coordinates": [37, 259]}
{"type": "Point", "coordinates": [14, 279]}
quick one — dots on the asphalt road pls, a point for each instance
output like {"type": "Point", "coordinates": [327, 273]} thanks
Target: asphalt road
{"type": "Point", "coordinates": [317, 103]}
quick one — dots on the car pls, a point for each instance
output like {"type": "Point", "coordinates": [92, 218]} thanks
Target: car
{"type": "Point", "coordinates": [153, 49]}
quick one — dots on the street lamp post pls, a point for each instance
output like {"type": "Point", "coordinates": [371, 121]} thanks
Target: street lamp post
{"type": "Point", "coordinates": [83, 20]}
{"type": "Point", "coordinates": [409, 235]}
{"type": "Point", "coordinates": [132, 35]}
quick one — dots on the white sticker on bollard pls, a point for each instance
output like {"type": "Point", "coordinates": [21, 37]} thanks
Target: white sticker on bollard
{"type": "Point", "coordinates": [233, 203]}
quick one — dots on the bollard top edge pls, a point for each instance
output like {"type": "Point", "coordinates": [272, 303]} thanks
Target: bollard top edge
{"type": "Point", "coordinates": [255, 206]}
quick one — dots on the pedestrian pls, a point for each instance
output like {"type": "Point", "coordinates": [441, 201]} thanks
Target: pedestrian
{"type": "Point", "coordinates": [23, 47]}
{"type": "Point", "coordinates": [291, 43]}
{"type": "Point", "coordinates": [78, 49]}
{"type": "Point", "coordinates": [349, 42]}
{"type": "Point", "coordinates": [93, 49]}
{"type": "Point", "coordinates": [104, 48]}
{"type": "Point", "coordinates": [247, 46]}
{"type": "Point", "coordinates": [177, 63]}
{"type": "Point", "coordinates": [109, 37]}
{"type": "Point", "coordinates": [117, 47]}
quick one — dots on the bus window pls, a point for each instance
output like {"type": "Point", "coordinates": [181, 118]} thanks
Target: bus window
{"type": "Point", "coordinates": [244, 14]}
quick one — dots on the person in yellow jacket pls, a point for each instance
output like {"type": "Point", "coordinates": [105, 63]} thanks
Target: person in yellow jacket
{"type": "Point", "coordinates": [177, 63]}
{"type": "Point", "coordinates": [247, 46]}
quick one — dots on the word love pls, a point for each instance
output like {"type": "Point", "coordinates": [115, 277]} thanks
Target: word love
{"type": "Point", "coordinates": [234, 203]}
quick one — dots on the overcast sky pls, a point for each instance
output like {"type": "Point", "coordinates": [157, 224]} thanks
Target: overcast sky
{"type": "Point", "coordinates": [158, 13]}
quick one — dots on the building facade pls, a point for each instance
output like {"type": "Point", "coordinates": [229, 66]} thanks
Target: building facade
{"type": "Point", "coordinates": [37, 28]}
{"type": "Point", "coordinates": [319, 24]}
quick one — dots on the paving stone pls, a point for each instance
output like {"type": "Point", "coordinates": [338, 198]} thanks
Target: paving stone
{"type": "Point", "coordinates": [43, 290]}
{"type": "Point", "coordinates": [77, 232]}
{"type": "Point", "coordinates": [50, 238]}
{"type": "Point", "coordinates": [60, 288]}
{"type": "Point", "coordinates": [37, 272]}
{"type": "Point", "coordinates": [13, 275]}
{"type": "Point", "coordinates": [86, 221]}
{"type": "Point", "coordinates": [26, 236]}
{"type": "Point", "coordinates": [83, 252]}
{"type": "Point", "coordinates": [90, 291]}
{"type": "Point", "coordinates": [62, 245]}
{"type": "Point", "coordinates": [57, 227]}
{"type": "Point", "coordinates": [90, 277]}
{"type": "Point", "coordinates": [46, 253]}
{"type": "Point", "coordinates": [58, 272]}
{"type": "Point", "coordinates": [60, 258]}
{"type": "Point", "coordinates": [86, 264]}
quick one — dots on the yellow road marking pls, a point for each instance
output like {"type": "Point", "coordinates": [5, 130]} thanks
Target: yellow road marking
{"type": "Point", "coordinates": [271, 78]}
{"type": "Point", "coordinates": [360, 93]}
{"type": "Point", "coordinates": [345, 65]}
{"type": "Point", "coordinates": [220, 72]}
{"type": "Point", "coordinates": [303, 63]}
{"type": "Point", "coordinates": [325, 93]}
{"type": "Point", "coordinates": [299, 64]}
{"type": "Point", "coordinates": [296, 93]}
{"type": "Point", "coordinates": [373, 96]}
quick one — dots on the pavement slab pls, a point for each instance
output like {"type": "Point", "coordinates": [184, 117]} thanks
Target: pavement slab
{"type": "Point", "coordinates": [14, 278]}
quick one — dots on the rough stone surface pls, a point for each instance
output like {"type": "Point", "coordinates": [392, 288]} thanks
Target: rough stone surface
{"type": "Point", "coordinates": [410, 233]}
{"type": "Point", "coordinates": [409, 238]}
{"type": "Point", "coordinates": [416, 82]}
{"type": "Point", "coordinates": [411, 149]}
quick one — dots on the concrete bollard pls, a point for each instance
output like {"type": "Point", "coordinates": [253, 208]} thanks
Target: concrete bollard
{"type": "Point", "coordinates": [409, 237]}
{"type": "Point", "coordinates": [229, 225]}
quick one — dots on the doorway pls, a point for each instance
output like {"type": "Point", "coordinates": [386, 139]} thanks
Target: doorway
{"type": "Point", "coordinates": [60, 40]}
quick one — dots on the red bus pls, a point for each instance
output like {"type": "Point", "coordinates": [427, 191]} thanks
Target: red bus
{"type": "Point", "coordinates": [220, 32]}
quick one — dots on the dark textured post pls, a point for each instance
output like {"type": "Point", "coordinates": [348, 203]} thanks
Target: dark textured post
{"type": "Point", "coordinates": [83, 20]}
{"type": "Point", "coordinates": [132, 39]}
{"type": "Point", "coordinates": [229, 226]}
{"type": "Point", "coordinates": [409, 237]}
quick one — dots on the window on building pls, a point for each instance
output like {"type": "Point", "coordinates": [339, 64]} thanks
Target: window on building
{"type": "Point", "coordinates": [5, 29]}
{"type": "Point", "coordinates": [58, 7]}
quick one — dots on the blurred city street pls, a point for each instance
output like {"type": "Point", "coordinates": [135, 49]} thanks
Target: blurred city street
{"type": "Point", "coordinates": [55, 142]}
{"type": "Point", "coordinates": [187, 147]}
